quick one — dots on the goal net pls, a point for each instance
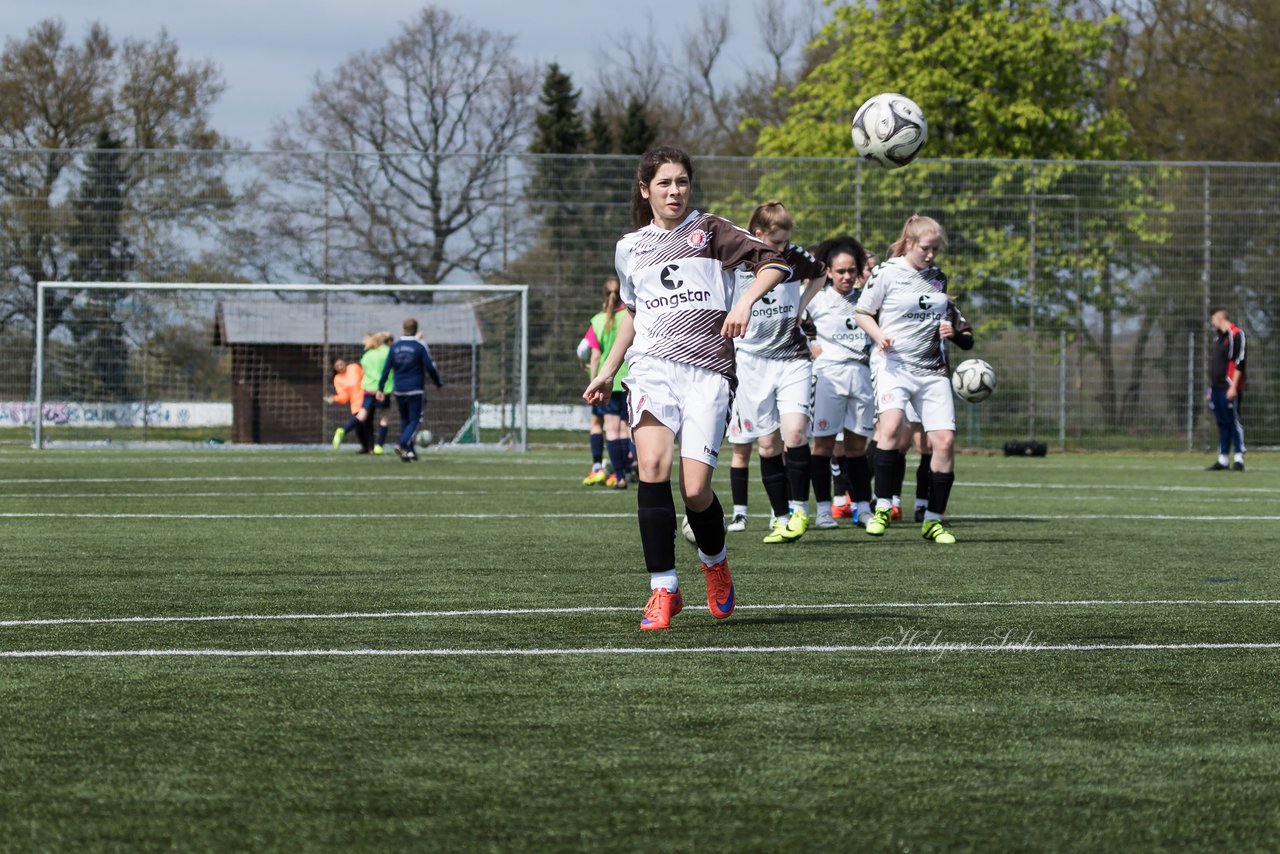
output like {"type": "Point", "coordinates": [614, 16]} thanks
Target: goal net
{"type": "Point", "coordinates": [253, 364]}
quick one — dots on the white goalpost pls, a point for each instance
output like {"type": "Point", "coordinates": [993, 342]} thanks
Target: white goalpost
{"type": "Point", "coordinates": [127, 362]}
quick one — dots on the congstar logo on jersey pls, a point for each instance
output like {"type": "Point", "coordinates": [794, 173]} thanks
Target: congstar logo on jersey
{"type": "Point", "coordinates": [672, 281]}
{"type": "Point", "coordinates": [772, 310]}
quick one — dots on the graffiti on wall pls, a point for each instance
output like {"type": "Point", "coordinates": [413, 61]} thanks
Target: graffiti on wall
{"type": "Point", "coordinates": [69, 414]}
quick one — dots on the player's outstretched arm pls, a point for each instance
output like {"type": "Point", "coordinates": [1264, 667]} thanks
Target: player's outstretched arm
{"type": "Point", "coordinates": [739, 317]}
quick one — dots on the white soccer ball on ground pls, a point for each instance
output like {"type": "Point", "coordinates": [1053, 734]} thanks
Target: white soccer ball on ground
{"type": "Point", "coordinates": [974, 380]}
{"type": "Point", "coordinates": [425, 437]}
{"type": "Point", "coordinates": [687, 530]}
{"type": "Point", "coordinates": [889, 129]}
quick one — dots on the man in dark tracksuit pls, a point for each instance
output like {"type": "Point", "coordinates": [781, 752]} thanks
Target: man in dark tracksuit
{"type": "Point", "coordinates": [410, 361]}
{"type": "Point", "coordinates": [1226, 390]}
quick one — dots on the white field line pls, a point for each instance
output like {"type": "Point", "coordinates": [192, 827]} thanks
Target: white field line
{"type": "Point", "coordinates": [344, 493]}
{"type": "Point", "coordinates": [1027, 517]}
{"type": "Point", "coordinates": [934, 649]}
{"type": "Point", "coordinates": [605, 609]}
{"type": "Point", "coordinates": [433, 476]}
{"type": "Point", "coordinates": [355, 516]}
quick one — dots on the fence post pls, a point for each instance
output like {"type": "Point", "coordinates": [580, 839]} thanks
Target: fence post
{"type": "Point", "coordinates": [1191, 390]}
{"type": "Point", "coordinates": [37, 415]}
{"type": "Point", "coordinates": [1031, 309]}
{"type": "Point", "coordinates": [1062, 390]}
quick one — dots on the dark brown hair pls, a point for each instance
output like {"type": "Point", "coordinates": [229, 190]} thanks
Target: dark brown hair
{"type": "Point", "coordinates": [641, 212]}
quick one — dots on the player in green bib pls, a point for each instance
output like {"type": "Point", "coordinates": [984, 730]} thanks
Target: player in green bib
{"type": "Point", "coordinates": [601, 336]}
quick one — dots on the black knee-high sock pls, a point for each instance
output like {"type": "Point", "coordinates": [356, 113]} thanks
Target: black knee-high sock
{"type": "Point", "coordinates": [656, 509]}
{"type": "Point", "coordinates": [872, 450]}
{"type": "Point", "coordinates": [364, 432]}
{"type": "Point", "coordinates": [888, 477]}
{"type": "Point", "coordinates": [839, 476]}
{"type": "Point", "coordinates": [739, 479]}
{"type": "Point", "coordinates": [382, 434]}
{"type": "Point", "coordinates": [708, 526]}
{"type": "Point", "coordinates": [922, 477]}
{"type": "Point", "coordinates": [799, 471]}
{"type": "Point", "coordinates": [597, 448]}
{"type": "Point", "coordinates": [900, 472]}
{"type": "Point", "coordinates": [773, 474]}
{"type": "Point", "coordinates": [940, 490]}
{"type": "Point", "coordinates": [859, 478]}
{"type": "Point", "coordinates": [618, 456]}
{"type": "Point", "coordinates": [820, 474]}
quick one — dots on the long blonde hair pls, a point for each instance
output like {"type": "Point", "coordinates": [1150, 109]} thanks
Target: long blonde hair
{"type": "Point", "coordinates": [612, 299]}
{"type": "Point", "coordinates": [913, 231]}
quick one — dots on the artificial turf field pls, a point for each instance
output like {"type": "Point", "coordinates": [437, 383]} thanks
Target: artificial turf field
{"type": "Point", "coordinates": [311, 650]}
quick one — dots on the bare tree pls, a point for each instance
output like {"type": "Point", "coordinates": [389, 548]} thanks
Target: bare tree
{"type": "Point", "coordinates": [706, 98]}
{"type": "Point", "coordinates": [58, 100]}
{"type": "Point", "coordinates": [410, 143]}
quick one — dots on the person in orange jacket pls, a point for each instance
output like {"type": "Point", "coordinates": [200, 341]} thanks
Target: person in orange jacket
{"type": "Point", "coordinates": [348, 378]}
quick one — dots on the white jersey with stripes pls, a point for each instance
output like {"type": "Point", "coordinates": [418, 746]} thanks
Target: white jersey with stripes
{"type": "Point", "coordinates": [679, 284]}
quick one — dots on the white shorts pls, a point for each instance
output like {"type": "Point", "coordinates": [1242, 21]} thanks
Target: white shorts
{"type": "Point", "coordinates": [909, 411]}
{"type": "Point", "coordinates": [843, 399]}
{"type": "Point", "coordinates": [767, 390]}
{"type": "Point", "coordinates": [692, 402]}
{"type": "Point", "coordinates": [930, 395]}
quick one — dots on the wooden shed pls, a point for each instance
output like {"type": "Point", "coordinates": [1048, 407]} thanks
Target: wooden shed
{"type": "Point", "coordinates": [282, 354]}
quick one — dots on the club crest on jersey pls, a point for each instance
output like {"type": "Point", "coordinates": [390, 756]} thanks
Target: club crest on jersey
{"type": "Point", "coordinates": [697, 238]}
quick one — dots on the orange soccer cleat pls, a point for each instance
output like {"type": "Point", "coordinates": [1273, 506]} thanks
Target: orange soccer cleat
{"type": "Point", "coordinates": [662, 606]}
{"type": "Point", "coordinates": [720, 593]}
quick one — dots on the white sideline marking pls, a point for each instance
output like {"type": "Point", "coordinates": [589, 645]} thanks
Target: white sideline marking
{"type": "Point", "coordinates": [429, 478]}
{"type": "Point", "coordinates": [603, 609]}
{"type": "Point", "coordinates": [932, 649]}
{"type": "Point", "coordinates": [1000, 517]}
{"type": "Point", "coordinates": [248, 516]}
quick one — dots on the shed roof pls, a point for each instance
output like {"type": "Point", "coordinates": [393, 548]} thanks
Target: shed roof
{"type": "Point", "coordinates": [271, 320]}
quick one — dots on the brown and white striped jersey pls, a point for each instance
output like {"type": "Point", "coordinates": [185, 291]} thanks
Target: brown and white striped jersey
{"type": "Point", "coordinates": [680, 285]}
{"type": "Point", "coordinates": [775, 332]}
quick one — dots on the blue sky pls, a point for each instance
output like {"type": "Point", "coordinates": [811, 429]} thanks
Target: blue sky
{"type": "Point", "coordinates": [270, 50]}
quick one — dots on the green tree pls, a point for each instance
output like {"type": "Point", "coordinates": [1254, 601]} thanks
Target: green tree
{"type": "Point", "coordinates": [557, 128]}
{"type": "Point", "coordinates": [600, 136]}
{"type": "Point", "coordinates": [1197, 79]}
{"type": "Point", "coordinates": [636, 131]}
{"type": "Point", "coordinates": [996, 79]}
{"type": "Point", "coordinates": [565, 181]}
{"type": "Point", "coordinates": [101, 253]}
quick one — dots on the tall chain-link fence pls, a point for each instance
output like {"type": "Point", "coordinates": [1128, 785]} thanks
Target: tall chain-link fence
{"type": "Point", "coordinates": [1090, 284]}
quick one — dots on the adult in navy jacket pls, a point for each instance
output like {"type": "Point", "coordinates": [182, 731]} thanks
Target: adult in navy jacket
{"type": "Point", "coordinates": [410, 363]}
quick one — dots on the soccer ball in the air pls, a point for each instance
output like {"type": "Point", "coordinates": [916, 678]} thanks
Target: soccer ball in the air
{"type": "Point", "coordinates": [425, 437]}
{"type": "Point", "coordinates": [889, 129]}
{"type": "Point", "coordinates": [974, 380]}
